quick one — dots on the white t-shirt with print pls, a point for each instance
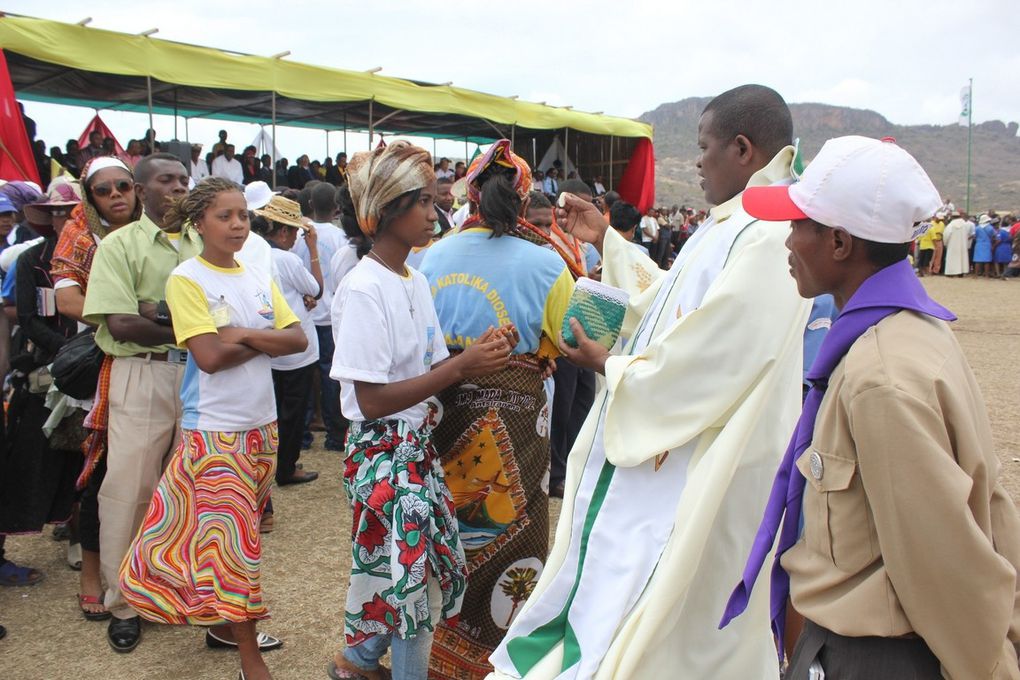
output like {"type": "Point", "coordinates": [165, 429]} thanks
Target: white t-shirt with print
{"type": "Point", "coordinates": [331, 239]}
{"type": "Point", "coordinates": [378, 340]}
{"type": "Point", "coordinates": [294, 281]}
{"type": "Point", "coordinates": [203, 298]}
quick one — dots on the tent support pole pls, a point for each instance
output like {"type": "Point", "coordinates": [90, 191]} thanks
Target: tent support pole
{"type": "Point", "coordinates": [345, 132]}
{"type": "Point", "coordinates": [327, 143]}
{"type": "Point", "coordinates": [274, 139]}
{"type": "Point", "coordinates": [534, 153]}
{"type": "Point", "coordinates": [566, 150]}
{"type": "Point", "coordinates": [502, 135]}
{"type": "Point", "coordinates": [148, 90]}
{"type": "Point", "coordinates": [387, 117]}
{"type": "Point", "coordinates": [513, 135]}
{"type": "Point", "coordinates": [466, 161]}
{"type": "Point", "coordinates": [612, 170]}
{"type": "Point", "coordinates": [371, 124]}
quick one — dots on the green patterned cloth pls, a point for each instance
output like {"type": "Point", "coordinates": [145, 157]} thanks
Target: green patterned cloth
{"type": "Point", "coordinates": [599, 308]}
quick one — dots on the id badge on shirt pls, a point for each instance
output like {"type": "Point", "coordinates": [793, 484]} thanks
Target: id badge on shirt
{"type": "Point", "coordinates": [220, 313]}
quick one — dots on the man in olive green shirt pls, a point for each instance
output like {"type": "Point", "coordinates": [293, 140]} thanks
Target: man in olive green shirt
{"type": "Point", "coordinates": [126, 286]}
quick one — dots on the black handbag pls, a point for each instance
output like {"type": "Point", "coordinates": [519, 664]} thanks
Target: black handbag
{"type": "Point", "coordinates": [75, 369]}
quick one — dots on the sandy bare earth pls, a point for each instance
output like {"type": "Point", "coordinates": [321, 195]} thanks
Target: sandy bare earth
{"type": "Point", "coordinates": [306, 558]}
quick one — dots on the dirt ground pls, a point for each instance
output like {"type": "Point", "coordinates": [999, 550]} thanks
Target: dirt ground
{"type": "Point", "coordinates": [305, 559]}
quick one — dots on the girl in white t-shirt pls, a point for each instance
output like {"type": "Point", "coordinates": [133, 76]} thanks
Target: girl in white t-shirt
{"type": "Point", "coordinates": [197, 557]}
{"type": "Point", "coordinates": [408, 569]}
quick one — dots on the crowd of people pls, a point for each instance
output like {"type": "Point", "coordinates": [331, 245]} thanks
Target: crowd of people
{"type": "Point", "coordinates": [956, 245]}
{"type": "Point", "coordinates": [173, 327]}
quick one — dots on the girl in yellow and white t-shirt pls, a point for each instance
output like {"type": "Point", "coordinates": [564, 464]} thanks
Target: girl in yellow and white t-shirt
{"type": "Point", "coordinates": [196, 559]}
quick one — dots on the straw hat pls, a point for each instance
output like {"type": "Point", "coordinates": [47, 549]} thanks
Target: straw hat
{"type": "Point", "coordinates": [61, 196]}
{"type": "Point", "coordinates": [284, 211]}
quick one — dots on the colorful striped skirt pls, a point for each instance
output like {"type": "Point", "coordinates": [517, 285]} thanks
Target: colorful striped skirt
{"type": "Point", "coordinates": [196, 559]}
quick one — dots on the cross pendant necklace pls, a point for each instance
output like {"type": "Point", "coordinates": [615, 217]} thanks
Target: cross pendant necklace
{"type": "Point", "coordinates": [410, 300]}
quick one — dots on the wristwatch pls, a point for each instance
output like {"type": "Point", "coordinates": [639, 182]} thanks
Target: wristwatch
{"type": "Point", "coordinates": [163, 314]}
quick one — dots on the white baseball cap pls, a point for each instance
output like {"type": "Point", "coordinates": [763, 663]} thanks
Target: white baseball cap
{"type": "Point", "coordinates": [258, 195]}
{"type": "Point", "coordinates": [871, 188]}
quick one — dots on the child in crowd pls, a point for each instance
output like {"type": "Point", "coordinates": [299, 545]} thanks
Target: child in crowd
{"type": "Point", "coordinates": [279, 222]}
{"type": "Point", "coordinates": [196, 558]}
{"type": "Point", "coordinates": [408, 569]}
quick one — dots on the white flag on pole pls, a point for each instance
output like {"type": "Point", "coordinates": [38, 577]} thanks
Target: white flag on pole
{"type": "Point", "coordinates": [965, 106]}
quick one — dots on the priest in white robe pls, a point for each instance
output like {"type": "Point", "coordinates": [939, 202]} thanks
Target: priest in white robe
{"type": "Point", "coordinates": [669, 475]}
{"type": "Point", "coordinates": [957, 236]}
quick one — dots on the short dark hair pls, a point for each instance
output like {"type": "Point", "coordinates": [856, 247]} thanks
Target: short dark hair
{"type": "Point", "coordinates": [444, 180]}
{"type": "Point", "coordinates": [610, 198]}
{"type": "Point", "coordinates": [884, 254]}
{"type": "Point", "coordinates": [144, 170]}
{"type": "Point", "coordinates": [323, 198]}
{"type": "Point", "coordinates": [259, 224]}
{"type": "Point", "coordinates": [755, 111]}
{"type": "Point", "coordinates": [575, 186]}
{"type": "Point", "coordinates": [623, 216]}
{"type": "Point", "coordinates": [539, 201]}
{"type": "Point", "coordinates": [304, 199]}
{"type": "Point", "coordinates": [349, 223]}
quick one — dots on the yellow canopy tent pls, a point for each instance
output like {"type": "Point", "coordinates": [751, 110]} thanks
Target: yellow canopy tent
{"type": "Point", "coordinates": [62, 63]}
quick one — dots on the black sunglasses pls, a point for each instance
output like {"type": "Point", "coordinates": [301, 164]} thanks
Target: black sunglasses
{"type": "Point", "coordinates": [123, 186]}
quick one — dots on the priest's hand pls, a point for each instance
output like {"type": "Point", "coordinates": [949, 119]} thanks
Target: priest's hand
{"type": "Point", "coordinates": [581, 219]}
{"type": "Point", "coordinates": [588, 353]}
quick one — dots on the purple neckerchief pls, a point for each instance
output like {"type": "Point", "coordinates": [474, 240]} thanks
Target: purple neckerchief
{"type": "Point", "coordinates": [885, 292]}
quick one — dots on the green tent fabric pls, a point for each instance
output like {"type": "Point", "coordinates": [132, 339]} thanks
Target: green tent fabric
{"type": "Point", "coordinates": [71, 64]}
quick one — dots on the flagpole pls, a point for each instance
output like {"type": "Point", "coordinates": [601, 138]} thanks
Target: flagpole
{"type": "Point", "coordinates": [970, 134]}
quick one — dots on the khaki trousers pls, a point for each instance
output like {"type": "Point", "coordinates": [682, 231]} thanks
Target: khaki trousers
{"type": "Point", "coordinates": [144, 428]}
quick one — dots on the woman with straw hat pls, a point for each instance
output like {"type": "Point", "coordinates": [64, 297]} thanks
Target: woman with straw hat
{"type": "Point", "coordinates": [280, 222]}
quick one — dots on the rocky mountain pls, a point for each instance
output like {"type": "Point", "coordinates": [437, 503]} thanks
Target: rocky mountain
{"type": "Point", "coordinates": [941, 150]}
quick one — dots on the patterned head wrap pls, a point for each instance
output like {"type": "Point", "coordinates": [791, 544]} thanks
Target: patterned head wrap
{"type": "Point", "coordinates": [377, 178]}
{"type": "Point", "coordinates": [502, 155]}
{"type": "Point", "coordinates": [21, 193]}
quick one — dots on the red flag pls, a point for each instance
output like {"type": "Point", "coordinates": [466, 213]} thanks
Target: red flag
{"type": "Point", "coordinates": [97, 125]}
{"type": "Point", "coordinates": [637, 186]}
{"type": "Point", "coordinates": [17, 161]}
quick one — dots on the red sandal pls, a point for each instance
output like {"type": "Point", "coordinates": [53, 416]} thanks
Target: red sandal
{"type": "Point", "coordinates": [86, 600]}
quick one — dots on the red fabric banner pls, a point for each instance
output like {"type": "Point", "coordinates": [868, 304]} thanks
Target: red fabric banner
{"type": "Point", "coordinates": [97, 124]}
{"type": "Point", "coordinates": [17, 161]}
{"type": "Point", "coordinates": [637, 186]}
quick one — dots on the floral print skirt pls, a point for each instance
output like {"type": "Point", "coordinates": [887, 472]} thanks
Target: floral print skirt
{"type": "Point", "coordinates": [404, 532]}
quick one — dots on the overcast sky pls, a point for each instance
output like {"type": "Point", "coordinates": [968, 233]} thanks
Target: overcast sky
{"type": "Point", "coordinates": [906, 59]}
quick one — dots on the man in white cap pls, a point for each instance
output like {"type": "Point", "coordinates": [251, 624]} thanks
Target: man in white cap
{"type": "Point", "coordinates": [199, 168]}
{"type": "Point", "coordinates": [899, 546]}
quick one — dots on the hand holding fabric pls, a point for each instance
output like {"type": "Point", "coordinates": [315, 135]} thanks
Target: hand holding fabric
{"type": "Point", "coordinates": [588, 353]}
